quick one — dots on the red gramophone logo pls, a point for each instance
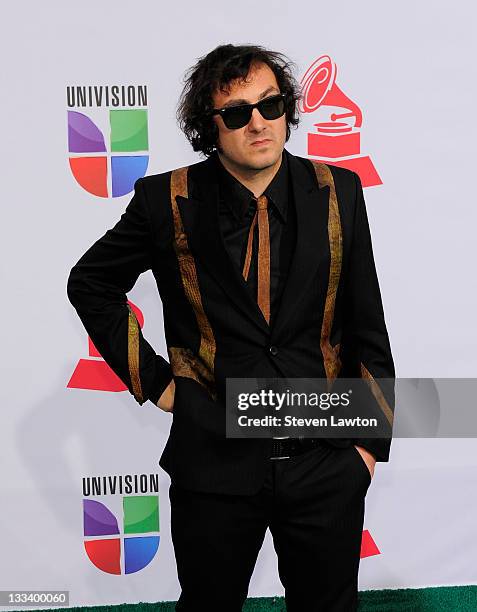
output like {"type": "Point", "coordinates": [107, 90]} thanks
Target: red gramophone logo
{"type": "Point", "coordinates": [94, 373]}
{"type": "Point", "coordinates": [337, 139]}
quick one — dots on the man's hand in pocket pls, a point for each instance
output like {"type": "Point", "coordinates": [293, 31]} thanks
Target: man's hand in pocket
{"type": "Point", "coordinates": [166, 401]}
{"type": "Point", "coordinates": [368, 458]}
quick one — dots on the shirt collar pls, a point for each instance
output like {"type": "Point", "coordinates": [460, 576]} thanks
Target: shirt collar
{"type": "Point", "coordinates": [237, 197]}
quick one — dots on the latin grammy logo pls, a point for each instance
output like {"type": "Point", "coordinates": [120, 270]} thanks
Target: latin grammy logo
{"type": "Point", "coordinates": [94, 373]}
{"type": "Point", "coordinates": [337, 138]}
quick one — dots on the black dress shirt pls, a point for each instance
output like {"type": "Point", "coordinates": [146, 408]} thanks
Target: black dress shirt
{"type": "Point", "coordinates": [237, 207]}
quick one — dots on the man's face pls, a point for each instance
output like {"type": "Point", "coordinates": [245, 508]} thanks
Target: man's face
{"type": "Point", "coordinates": [237, 146]}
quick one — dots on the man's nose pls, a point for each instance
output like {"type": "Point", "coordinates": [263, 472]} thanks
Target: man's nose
{"type": "Point", "coordinates": [257, 122]}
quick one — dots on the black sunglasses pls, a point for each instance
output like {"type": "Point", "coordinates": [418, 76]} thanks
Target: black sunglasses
{"type": "Point", "coordinates": [238, 116]}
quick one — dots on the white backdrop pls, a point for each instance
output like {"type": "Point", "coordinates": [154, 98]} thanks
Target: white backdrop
{"type": "Point", "coordinates": [410, 67]}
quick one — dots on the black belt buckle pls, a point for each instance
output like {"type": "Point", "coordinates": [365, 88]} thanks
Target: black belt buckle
{"type": "Point", "coordinates": [280, 449]}
{"type": "Point", "coordinates": [284, 448]}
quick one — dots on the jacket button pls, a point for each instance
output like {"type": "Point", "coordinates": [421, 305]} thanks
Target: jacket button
{"type": "Point", "coordinates": [273, 350]}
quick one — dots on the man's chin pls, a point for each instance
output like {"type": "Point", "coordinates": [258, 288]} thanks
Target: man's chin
{"type": "Point", "coordinates": [253, 160]}
{"type": "Point", "coordinates": [260, 160]}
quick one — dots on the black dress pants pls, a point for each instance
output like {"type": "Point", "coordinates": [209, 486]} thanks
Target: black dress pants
{"type": "Point", "coordinates": [312, 503]}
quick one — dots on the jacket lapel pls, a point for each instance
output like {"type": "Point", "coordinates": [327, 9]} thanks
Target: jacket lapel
{"type": "Point", "coordinates": [200, 216]}
{"type": "Point", "coordinates": [312, 243]}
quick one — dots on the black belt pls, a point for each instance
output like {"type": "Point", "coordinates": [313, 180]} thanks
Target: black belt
{"type": "Point", "coordinates": [290, 447]}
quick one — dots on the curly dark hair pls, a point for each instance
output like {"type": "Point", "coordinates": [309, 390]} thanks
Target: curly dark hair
{"type": "Point", "coordinates": [215, 71]}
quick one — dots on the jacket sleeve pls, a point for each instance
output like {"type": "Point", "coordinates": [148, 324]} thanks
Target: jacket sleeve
{"type": "Point", "coordinates": [97, 287]}
{"type": "Point", "coordinates": [365, 328]}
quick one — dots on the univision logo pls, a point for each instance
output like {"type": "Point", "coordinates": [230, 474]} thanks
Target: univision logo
{"type": "Point", "coordinates": [107, 142]}
{"type": "Point", "coordinates": [123, 540]}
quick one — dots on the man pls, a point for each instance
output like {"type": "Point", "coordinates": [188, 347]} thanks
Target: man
{"type": "Point", "coordinates": [264, 265]}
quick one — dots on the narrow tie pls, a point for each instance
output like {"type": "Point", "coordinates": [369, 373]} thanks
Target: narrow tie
{"type": "Point", "coordinates": [263, 289]}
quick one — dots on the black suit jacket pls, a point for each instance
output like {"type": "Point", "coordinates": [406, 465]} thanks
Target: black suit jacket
{"type": "Point", "coordinates": [330, 320]}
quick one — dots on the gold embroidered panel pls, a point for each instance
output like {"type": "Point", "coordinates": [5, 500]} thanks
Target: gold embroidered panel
{"type": "Point", "coordinates": [331, 354]}
{"type": "Point", "coordinates": [378, 394]}
{"type": "Point", "coordinates": [202, 369]}
{"type": "Point", "coordinates": [133, 355]}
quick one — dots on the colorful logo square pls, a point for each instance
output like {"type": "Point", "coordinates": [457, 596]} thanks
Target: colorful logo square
{"type": "Point", "coordinates": [104, 174]}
